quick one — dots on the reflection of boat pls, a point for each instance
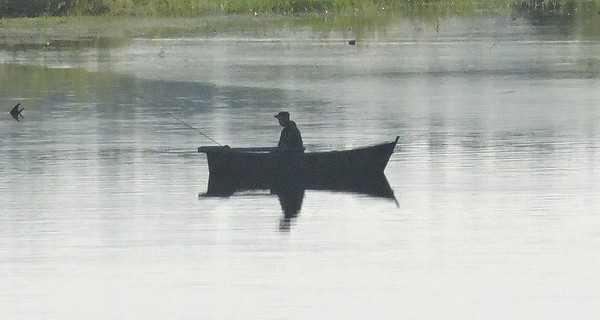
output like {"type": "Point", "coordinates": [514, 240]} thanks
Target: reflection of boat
{"type": "Point", "coordinates": [291, 191]}
{"type": "Point", "coordinates": [250, 167]}
{"type": "Point", "coordinates": [369, 185]}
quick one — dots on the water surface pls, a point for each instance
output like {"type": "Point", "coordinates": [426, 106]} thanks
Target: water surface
{"type": "Point", "coordinates": [496, 175]}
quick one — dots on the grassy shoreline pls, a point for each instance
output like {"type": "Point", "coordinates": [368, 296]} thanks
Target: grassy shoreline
{"type": "Point", "coordinates": [148, 20]}
{"type": "Point", "coordinates": [143, 23]}
{"type": "Point", "coordinates": [196, 8]}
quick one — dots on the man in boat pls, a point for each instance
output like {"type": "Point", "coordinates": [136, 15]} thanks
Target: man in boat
{"type": "Point", "coordinates": [290, 139]}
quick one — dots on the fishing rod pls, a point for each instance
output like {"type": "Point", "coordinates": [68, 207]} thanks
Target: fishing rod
{"type": "Point", "coordinates": [200, 132]}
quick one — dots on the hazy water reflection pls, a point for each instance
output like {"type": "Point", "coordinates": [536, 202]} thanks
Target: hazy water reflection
{"type": "Point", "coordinates": [496, 173]}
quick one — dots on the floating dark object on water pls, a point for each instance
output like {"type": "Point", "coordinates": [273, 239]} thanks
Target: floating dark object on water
{"type": "Point", "coordinates": [352, 42]}
{"type": "Point", "coordinates": [15, 112]}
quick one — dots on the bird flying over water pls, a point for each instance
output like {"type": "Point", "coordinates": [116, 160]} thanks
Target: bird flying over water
{"type": "Point", "coordinates": [15, 112]}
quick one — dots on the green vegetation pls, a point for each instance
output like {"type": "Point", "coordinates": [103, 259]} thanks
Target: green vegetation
{"type": "Point", "coordinates": [315, 8]}
{"type": "Point", "coordinates": [194, 8]}
{"type": "Point", "coordinates": [122, 19]}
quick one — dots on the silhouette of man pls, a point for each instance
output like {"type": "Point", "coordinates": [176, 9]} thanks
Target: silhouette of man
{"type": "Point", "coordinates": [290, 139]}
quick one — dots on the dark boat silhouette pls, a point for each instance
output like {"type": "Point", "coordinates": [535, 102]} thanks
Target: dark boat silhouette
{"type": "Point", "coordinates": [289, 174]}
{"type": "Point", "coordinates": [260, 168]}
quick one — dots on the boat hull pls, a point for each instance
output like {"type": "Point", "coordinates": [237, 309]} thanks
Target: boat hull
{"type": "Point", "coordinates": [264, 168]}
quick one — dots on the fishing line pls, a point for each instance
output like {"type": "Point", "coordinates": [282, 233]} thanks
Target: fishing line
{"type": "Point", "coordinates": [200, 132]}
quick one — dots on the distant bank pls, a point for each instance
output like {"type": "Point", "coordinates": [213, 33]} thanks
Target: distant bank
{"type": "Point", "coordinates": [192, 8]}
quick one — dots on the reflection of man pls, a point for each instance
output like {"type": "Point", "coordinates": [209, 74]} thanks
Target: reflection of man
{"type": "Point", "coordinates": [290, 138]}
{"type": "Point", "coordinates": [290, 199]}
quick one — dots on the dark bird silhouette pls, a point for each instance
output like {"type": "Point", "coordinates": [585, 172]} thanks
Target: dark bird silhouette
{"type": "Point", "coordinates": [15, 112]}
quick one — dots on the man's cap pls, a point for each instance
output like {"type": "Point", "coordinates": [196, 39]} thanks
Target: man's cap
{"type": "Point", "coordinates": [283, 114]}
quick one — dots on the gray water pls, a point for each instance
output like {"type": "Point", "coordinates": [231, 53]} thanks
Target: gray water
{"type": "Point", "coordinates": [496, 176]}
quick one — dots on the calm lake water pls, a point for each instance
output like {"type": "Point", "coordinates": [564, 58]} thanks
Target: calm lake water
{"type": "Point", "coordinates": [496, 176]}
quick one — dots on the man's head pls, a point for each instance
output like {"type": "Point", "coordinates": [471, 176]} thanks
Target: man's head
{"type": "Point", "coordinates": [283, 117]}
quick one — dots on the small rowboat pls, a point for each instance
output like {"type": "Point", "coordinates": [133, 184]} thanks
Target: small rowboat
{"type": "Point", "coordinates": [270, 168]}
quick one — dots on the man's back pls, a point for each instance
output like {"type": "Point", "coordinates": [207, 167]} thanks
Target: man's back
{"type": "Point", "coordinates": [290, 138]}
